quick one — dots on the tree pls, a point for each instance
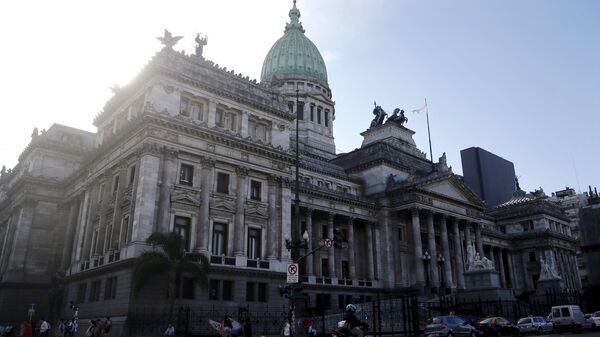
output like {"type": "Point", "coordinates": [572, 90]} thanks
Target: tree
{"type": "Point", "coordinates": [172, 260]}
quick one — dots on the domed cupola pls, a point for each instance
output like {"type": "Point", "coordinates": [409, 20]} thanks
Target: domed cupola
{"type": "Point", "coordinates": [294, 56]}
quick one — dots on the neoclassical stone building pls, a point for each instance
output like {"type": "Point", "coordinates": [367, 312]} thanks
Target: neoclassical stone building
{"type": "Point", "coordinates": [192, 147]}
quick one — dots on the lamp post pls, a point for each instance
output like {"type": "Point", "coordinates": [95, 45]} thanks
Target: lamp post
{"type": "Point", "coordinates": [426, 259]}
{"type": "Point", "coordinates": [441, 260]}
{"type": "Point", "coordinates": [290, 292]}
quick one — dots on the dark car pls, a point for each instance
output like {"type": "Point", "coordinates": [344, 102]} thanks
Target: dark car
{"type": "Point", "coordinates": [496, 327]}
{"type": "Point", "coordinates": [447, 326]}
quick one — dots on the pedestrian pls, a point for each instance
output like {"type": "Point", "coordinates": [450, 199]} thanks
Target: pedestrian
{"type": "Point", "coordinates": [27, 330]}
{"type": "Point", "coordinates": [44, 327]}
{"type": "Point", "coordinates": [227, 325]}
{"type": "Point", "coordinates": [170, 332]}
{"type": "Point", "coordinates": [247, 328]}
{"type": "Point", "coordinates": [107, 326]}
{"type": "Point", "coordinates": [287, 329]}
{"type": "Point", "coordinates": [311, 331]}
{"type": "Point", "coordinates": [60, 328]}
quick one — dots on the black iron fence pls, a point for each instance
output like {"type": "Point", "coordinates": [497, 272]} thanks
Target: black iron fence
{"type": "Point", "coordinates": [387, 315]}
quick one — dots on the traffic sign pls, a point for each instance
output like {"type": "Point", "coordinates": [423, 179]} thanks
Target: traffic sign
{"type": "Point", "coordinates": [328, 243]}
{"type": "Point", "coordinates": [292, 273]}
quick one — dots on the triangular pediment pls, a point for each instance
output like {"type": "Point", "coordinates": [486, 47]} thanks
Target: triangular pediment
{"type": "Point", "coordinates": [185, 198]}
{"type": "Point", "coordinates": [452, 188]}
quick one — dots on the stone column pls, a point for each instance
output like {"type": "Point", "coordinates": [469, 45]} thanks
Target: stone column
{"type": "Point", "coordinates": [146, 193]}
{"type": "Point", "coordinates": [240, 201]}
{"type": "Point", "coordinates": [449, 282]}
{"type": "Point", "coordinates": [576, 269]}
{"type": "Point", "coordinates": [206, 182]}
{"type": "Point", "coordinates": [309, 230]}
{"type": "Point", "coordinates": [370, 259]}
{"type": "Point", "coordinates": [501, 266]}
{"type": "Point", "coordinates": [351, 252]}
{"type": "Point", "coordinates": [331, 251]}
{"type": "Point", "coordinates": [69, 235]}
{"type": "Point", "coordinates": [169, 174]}
{"type": "Point", "coordinates": [212, 111]}
{"type": "Point", "coordinates": [478, 241]}
{"type": "Point", "coordinates": [386, 247]}
{"type": "Point", "coordinates": [418, 247]}
{"type": "Point", "coordinates": [526, 280]}
{"type": "Point", "coordinates": [273, 218]}
{"type": "Point", "coordinates": [435, 275]}
{"type": "Point", "coordinates": [81, 226]}
{"type": "Point", "coordinates": [468, 240]}
{"type": "Point", "coordinates": [458, 258]}
{"type": "Point", "coordinates": [244, 124]}
{"type": "Point", "coordinates": [22, 236]}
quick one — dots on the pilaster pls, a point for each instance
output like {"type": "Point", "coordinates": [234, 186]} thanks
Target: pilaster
{"type": "Point", "coordinates": [239, 234]}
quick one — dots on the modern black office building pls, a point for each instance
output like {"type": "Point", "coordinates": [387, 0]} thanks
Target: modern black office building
{"type": "Point", "coordinates": [491, 177]}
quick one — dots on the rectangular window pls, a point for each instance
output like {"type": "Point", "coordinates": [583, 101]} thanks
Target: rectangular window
{"type": "Point", "coordinates": [131, 175]}
{"type": "Point", "coordinates": [110, 288]}
{"type": "Point", "coordinates": [400, 233]}
{"type": "Point", "coordinates": [232, 122]}
{"type": "Point", "coordinates": [95, 291]}
{"type": "Point", "coordinates": [227, 290]}
{"type": "Point", "coordinates": [125, 231]}
{"type": "Point", "coordinates": [182, 227]}
{"type": "Point", "coordinates": [108, 237]}
{"type": "Point", "coordinates": [81, 290]}
{"type": "Point", "coordinates": [291, 106]}
{"type": "Point", "coordinates": [219, 239]}
{"type": "Point", "coordinates": [300, 111]}
{"type": "Point", "coordinates": [324, 232]}
{"type": "Point", "coordinates": [184, 106]}
{"type": "Point", "coordinates": [250, 292]}
{"type": "Point", "coordinates": [115, 184]}
{"type": "Point", "coordinates": [253, 243]}
{"type": "Point", "coordinates": [262, 292]}
{"type": "Point", "coordinates": [319, 115]}
{"type": "Point", "coordinates": [186, 175]}
{"type": "Point", "coordinates": [197, 111]}
{"type": "Point", "coordinates": [345, 270]}
{"type": "Point", "coordinates": [312, 112]}
{"type": "Point", "coordinates": [214, 290]}
{"type": "Point", "coordinates": [219, 117]}
{"type": "Point", "coordinates": [101, 193]}
{"type": "Point", "coordinates": [187, 288]}
{"type": "Point", "coordinates": [223, 183]}
{"type": "Point", "coordinates": [324, 267]}
{"type": "Point", "coordinates": [255, 190]}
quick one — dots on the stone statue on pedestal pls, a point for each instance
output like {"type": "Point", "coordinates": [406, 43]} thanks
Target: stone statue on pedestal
{"type": "Point", "coordinates": [476, 261]}
{"type": "Point", "coordinates": [379, 116]}
{"type": "Point", "coordinates": [548, 268]}
{"type": "Point", "coordinates": [397, 118]}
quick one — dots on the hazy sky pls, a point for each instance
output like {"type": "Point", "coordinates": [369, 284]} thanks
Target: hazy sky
{"type": "Point", "coordinates": [518, 78]}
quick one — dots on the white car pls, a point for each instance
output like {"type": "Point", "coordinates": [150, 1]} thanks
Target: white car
{"type": "Point", "coordinates": [592, 322]}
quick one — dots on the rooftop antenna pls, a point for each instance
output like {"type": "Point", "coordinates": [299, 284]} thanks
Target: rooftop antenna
{"type": "Point", "coordinates": [576, 175]}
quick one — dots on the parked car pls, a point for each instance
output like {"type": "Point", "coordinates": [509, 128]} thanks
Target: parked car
{"type": "Point", "coordinates": [596, 319]}
{"type": "Point", "coordinates": [447, 326]}
{"type": "Point", "coordinates": [496, 327]}
{"type": "Point", "coordinates": [567, 318]}
{"type": "Point", "coordinates": [588, 323]}
{"type": "Point", "coordinates": [536, 324]}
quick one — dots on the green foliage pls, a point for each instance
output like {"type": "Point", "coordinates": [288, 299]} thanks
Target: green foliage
{"type": "Point", "coordinates": [168, 258]}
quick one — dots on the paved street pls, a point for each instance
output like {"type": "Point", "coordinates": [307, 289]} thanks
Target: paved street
{"type": "Point", "coordinates": [584, 334]}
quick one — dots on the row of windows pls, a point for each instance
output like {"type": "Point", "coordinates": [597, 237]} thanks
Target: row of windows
{"type": "Point", "coordinates": [309, 86]}
{"type": "Point", "coordinates": [124, 236]}
{"type": "Point", "coordinates": [220, 238]}
{"type": "Point", "coordinates": [327, 184]}
{"type": "Point", "coordinates": [197, 108]}
{"type": "Point", "coordinates": [316, 113]}
{"type": "Point", "coordinates": [110, 290]}
{"type": "Point", "coordinates": [186, 177]}
{"type": "Point", "coordinates": [115, 183]}
{"type": "Point", "coordinates": [222, 290]}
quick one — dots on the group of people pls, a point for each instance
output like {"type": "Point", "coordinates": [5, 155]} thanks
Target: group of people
{"type": "Point", "coordinates": [65, 328]}
{"type": "Point", "coordinates": [98, 328]}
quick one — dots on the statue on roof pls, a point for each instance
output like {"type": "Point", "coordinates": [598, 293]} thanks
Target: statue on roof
{"type": "Point", "coordinates": [397, 118]}
{"type": "Point", "coordinates": [35, 133]}
{"type": "Point", "coordinates": [168, 40]}
{"type": "Point", "coordinates": [379, 115]}
{"type": "Point", "coordinates": [517, 187]}
{"type": "Point", "coordinates": [201, 42]}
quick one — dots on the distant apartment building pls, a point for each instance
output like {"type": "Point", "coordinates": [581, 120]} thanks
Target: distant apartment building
{"type": "Point", "coordinates": [491, 177]}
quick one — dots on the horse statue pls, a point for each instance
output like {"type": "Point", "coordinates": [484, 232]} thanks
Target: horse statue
{"type": "Point", "coordinates": [379, 116]}
{"type": "Point", "coordinates": [398, 119]}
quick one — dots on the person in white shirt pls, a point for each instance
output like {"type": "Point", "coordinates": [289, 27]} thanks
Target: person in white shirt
{"type": "Point", "coordinates": [44, 327]}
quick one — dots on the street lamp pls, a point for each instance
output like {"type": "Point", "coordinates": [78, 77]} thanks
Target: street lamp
{"type": "Point", "coordinates": [294, 245]}
{"type": "Point", "coordinates": [426, 259]}
{"type": "Point", "coordinates": [441, 260]}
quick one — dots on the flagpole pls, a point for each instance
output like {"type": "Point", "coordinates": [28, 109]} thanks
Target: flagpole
{"type": "Point", "coordinates": [428, 133]}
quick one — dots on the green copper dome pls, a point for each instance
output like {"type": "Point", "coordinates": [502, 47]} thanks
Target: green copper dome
{"type": "Point", "coordinates": [294, 55]}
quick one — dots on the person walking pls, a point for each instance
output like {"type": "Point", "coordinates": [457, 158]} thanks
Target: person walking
{"type": "Point", "coordinates": [287, 329]}
{"type": "Point", "coordinates": [170, 332]}
{"type": "Point", "coordinates": [107, 326]}
{"type": "Point", "coordinates": [44, 327]}
{"type": "Point", "coordinates": [60, 328]}
{"type": "Point", "coordinates": [27, 330]}
{"type": "Point", "coordinates": [227, 325]}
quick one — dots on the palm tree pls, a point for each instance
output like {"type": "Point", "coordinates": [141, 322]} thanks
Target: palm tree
{"type": "Point", "coordinates": [171, 260]}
